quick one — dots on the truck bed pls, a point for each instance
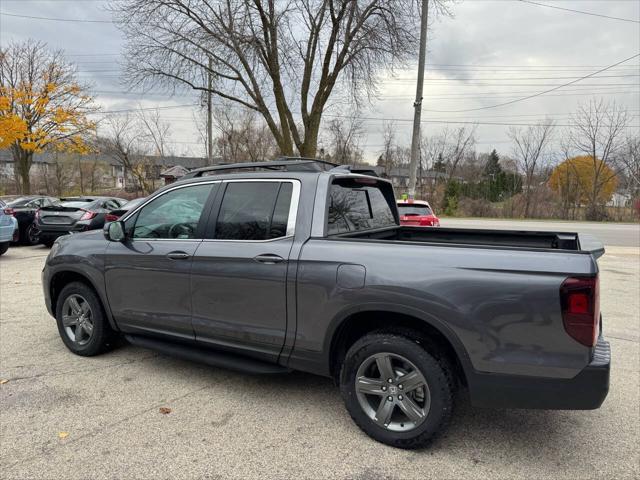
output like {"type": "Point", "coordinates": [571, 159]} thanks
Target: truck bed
{"type": "Point", "coordinates": [563, 241]}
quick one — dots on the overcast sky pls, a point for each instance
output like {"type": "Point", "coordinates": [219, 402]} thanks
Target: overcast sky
{"type": "Point", "coordinates": [491, 52]}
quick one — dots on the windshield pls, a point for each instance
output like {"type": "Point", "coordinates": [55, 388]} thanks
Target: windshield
{"type": "Point", "coordinates": [19, 202]}
{"type": "Point", "coordinates": [406, 209]}
{"type": "Point", "coordinates": [133, 203]}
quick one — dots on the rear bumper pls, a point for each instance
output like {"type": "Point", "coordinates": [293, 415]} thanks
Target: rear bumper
{"type": "Point", "coordinates": [585, 391]}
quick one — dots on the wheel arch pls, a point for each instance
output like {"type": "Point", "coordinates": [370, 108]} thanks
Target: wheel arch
{"type": "Point", "coordinates": [352, 325]}
{"type": "Point", "coordinates": [62, 278]}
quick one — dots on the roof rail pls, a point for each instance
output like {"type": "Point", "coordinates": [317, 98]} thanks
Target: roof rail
{"type": "Point", "coordinates": [286, 164]}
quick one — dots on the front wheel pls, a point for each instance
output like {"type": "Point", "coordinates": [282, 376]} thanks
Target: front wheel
{"type": "Point", "coordinates": [396, 391]}
{"type": "Point", "coordinates": [4, 246]}
{"type": "Point", "coordinates": [82, 324]}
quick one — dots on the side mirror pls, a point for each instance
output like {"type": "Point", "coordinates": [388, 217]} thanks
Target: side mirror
{"type": "Point", "coordinates": [114, 231]}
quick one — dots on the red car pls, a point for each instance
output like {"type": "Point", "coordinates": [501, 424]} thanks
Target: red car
{"type": "Point", "coordinates": [417, 213]}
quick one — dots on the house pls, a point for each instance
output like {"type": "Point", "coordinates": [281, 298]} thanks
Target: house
{"type": "Point", "coordinates": [99, 171]}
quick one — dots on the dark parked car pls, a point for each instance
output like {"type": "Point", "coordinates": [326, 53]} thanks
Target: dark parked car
{"type": "Point", "coordinates": [309, 269]}
{"type": "Point", "coordinates": [114, 215]}
{"type": "Point", "coordinates": [74, 214]}
{"type": "Point", "coordinates": [24, 210]}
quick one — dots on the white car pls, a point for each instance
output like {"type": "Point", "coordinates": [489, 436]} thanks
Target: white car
{"type": "Point", "coordinates": [8, 227]}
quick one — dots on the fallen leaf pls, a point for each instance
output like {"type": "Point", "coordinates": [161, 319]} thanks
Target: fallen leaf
{"type": "Point", "coordinates": [3, 381]}
{"type": "Point", "coordinates": [165, 410]}
{"type": "Point", "coordinates": [63, 434]}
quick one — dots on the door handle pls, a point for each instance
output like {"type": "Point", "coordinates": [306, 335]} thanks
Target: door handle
{"type": "Point", "coordinates": [268, 259]}
{"type": "Point", "coordinates": [178, 255]}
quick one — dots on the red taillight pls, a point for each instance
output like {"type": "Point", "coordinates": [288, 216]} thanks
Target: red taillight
{"type": "Point", "coordinates": [580, 301]}
{"type": "Point", "coordinates": [37, 213]}
{"type": "Point", "coordinates": [111, 217]}
{"type": "Point", "coordinates": [88, 215]}
{"type": "Point", "coordinates": [9, 211]}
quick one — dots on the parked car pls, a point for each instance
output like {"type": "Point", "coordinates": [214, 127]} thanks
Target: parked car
{"type": "Point", "coordinates": [74, 214]}
{"type": "Point", "coordinates": [417, 213]}
{"type": "Point", "coordinates": [8, 227]}
{"type": "Point", "coordinates": [309, 269]}
{"type": "Point", "coordinates": [24, 210]}
{"type": "Point", "coordinates": [114, 215]}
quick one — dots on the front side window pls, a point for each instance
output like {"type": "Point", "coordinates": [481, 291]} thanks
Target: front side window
{"type": "Point", "coordinates": [355, 207]}
{"type": "Point", "coordinates": [175, 214]}
{"type": "Point", "coordinates": [254, 211]}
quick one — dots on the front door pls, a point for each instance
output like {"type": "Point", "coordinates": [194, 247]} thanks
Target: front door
{"type": "Point", "coordinates": [148, 275]}
{"type": "Point", "coordinates": [239, 273]}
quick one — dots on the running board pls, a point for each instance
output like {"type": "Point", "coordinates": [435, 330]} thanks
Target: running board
{"type": "Point", "coordinates": [209, 357]}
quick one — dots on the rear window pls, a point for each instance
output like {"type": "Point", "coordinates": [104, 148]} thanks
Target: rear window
{"type": "Point", "coordinates": [355, 207]}
{"type": "Point", "coordinates": [414, 209]}
{"type": "Point", "coordinates": [76, 204]}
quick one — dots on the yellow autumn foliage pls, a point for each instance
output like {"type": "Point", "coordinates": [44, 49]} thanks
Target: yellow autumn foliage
{"type": "Point", "coordinates": [33, 118]}
{"type": "Point", "coordinates": [575, 178]}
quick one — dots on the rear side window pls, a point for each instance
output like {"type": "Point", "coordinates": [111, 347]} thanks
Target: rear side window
{"type": "Point", "coordinates": [254, 211]}
{"type": "Point", "coordinates": [355, 207]}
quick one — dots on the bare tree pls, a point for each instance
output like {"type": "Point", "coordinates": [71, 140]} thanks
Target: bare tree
{"type": "Point", "coordinates": [459, 144]}
{"type": "Point", "coordinates": [597, 132]}
{"type": "Point", "coordinates": [529, 149]}
{"type": "Point", "coordinates": [156, 133]}
{"type": "Point", "coordinates": [243, 136]}
{"type": "Point", "coordinates": [629, 160]}
{"type": "Point", "coordinates": [343, 138]}
{"type": "Point", "coordinates": [386, 159]}
{"type": "Point", "coordinates": [274, 57]}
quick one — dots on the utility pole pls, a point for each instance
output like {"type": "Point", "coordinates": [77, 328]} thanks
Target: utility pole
{"type": "Point", "coordinates": [209, 115]}
{"type": "Point", "coordinates": [417, 105]}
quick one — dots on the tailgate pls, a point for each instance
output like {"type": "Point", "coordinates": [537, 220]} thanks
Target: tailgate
{"type": "Point", "coordinates": [589, 243]}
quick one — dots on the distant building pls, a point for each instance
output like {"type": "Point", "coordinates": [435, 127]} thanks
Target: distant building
{"type": "Point", "coordinates": [619, 200]}
{"type": "Point", "coordinates": [107, 171]}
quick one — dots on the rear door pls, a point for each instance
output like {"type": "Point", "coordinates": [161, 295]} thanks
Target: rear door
{"type": "Point", "coordinates": [148, 275]}
{"type": "Point", "coordinates": [239, 274]}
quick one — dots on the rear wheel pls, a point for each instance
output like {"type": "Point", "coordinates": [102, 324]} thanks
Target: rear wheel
{"type": "Point", "coordinates": [31, 235]}
{"type": "Point", "coordinates": [396, 391]}
{"type": "Point", "coordinates": [4, 247]}
{"type": "Point", "coordinates": [82, 324]}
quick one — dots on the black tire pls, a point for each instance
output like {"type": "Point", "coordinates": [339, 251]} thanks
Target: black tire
{"type": "Point", "coordinates": [439, 390]}
{"type": "Point", "coordinates": [29, 235]}
{"type": "Point", "coordinates": [4, 247]}
{"type": "Point", "coordinates": [102, 337]}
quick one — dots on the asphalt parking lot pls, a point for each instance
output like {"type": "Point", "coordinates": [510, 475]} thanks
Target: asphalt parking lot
{"type": "Point", "coordinates": [63, 416]}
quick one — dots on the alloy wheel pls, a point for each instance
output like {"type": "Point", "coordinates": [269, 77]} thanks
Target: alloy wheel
{"type": "Point", "coordinates": [392, 392]}
{"type": "Point", "coordinates": [77, 319]}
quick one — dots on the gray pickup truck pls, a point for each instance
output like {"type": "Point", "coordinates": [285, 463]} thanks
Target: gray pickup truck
{"type": "Point", "coordinates": [299, 265]}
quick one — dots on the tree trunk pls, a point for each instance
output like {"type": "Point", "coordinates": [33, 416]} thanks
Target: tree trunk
{"type": "Point", "coordinates": [22, 165]}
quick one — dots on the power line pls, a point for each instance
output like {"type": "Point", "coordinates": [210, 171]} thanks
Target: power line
{"type": "Point", "coordinates": [33, 17]}
{"type": "Point", "coordinates": [579, 11]}
{"type": "Point", "coordinates": [540, 93]}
